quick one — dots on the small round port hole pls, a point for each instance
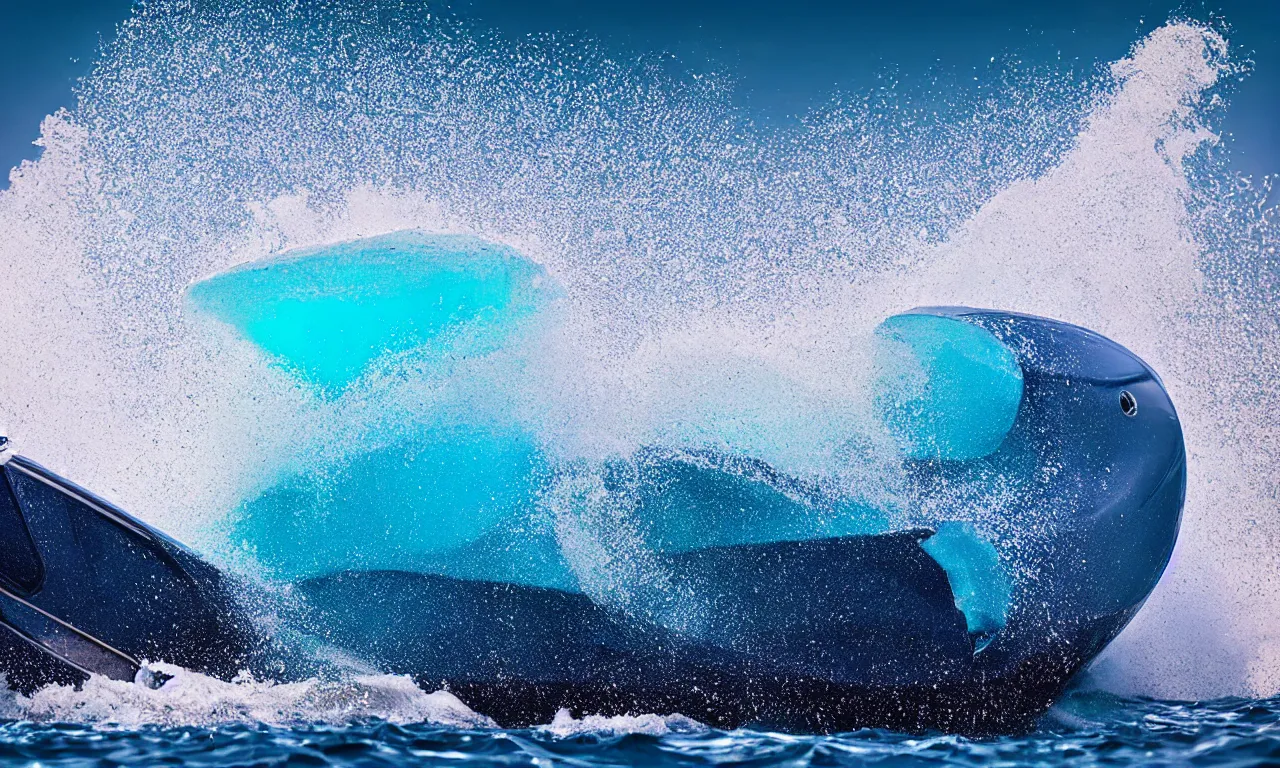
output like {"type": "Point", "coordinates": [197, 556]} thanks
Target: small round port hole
{"type": "Point", "coordinates": [1128, 403]}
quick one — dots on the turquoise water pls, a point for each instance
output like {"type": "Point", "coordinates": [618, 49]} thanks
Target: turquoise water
{"type": "Point", "coordinates": [963, 396]}
{"type": "Point", "coordinates": [1086, 729]}
{"type": "Point", "coordinates": [328, 315]}
{"type": "Point", "coordinates": [981, 586]}
{"type": "Point", "coordinates": [460, 492]}
{"type": "Point", "coordinates": [453, 493]}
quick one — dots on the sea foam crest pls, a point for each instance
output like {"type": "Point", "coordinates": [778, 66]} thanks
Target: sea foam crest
{"type": "Point", "coordinates": [192, 699]}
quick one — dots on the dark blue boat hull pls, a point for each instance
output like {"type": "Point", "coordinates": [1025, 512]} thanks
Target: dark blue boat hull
{"type": "Point", "coordinates": [836, 634]}
{"type": "Point", "coordinates": [89, 589]}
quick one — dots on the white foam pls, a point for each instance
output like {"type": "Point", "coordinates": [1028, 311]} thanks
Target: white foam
{"type": "Point", "coordinates": [566, 725]}
{"type": "Point", "coordinates": [193, 699]}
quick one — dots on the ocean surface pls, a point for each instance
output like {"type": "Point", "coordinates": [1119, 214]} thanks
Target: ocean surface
{"type": "Point", "coordinates": [1085, 729]}
{"type": "Point", "coordinates": [723, 247]}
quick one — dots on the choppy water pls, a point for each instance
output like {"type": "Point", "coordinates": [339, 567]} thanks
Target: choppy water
{"type": "Point", "coordinates": [694, 247]}
{"type": "Point", "coordinates": [1085, 729]}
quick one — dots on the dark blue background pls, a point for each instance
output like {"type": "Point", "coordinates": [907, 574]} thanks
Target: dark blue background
{"type": "Point", "coordinates": [788, 55]}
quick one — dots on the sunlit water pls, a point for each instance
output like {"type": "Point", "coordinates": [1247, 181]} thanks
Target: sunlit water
{"type": "Point", "coordinates": [719, 281]}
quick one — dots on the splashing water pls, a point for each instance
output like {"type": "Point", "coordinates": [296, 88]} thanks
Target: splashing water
{"type": "Point", "coordinates": [720, 281]}
{"type": "Point", "coordinates": [189, 699]}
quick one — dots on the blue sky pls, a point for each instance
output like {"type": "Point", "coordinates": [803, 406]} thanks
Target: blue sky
{"type": "Point", "coordinates": [788, 55]}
